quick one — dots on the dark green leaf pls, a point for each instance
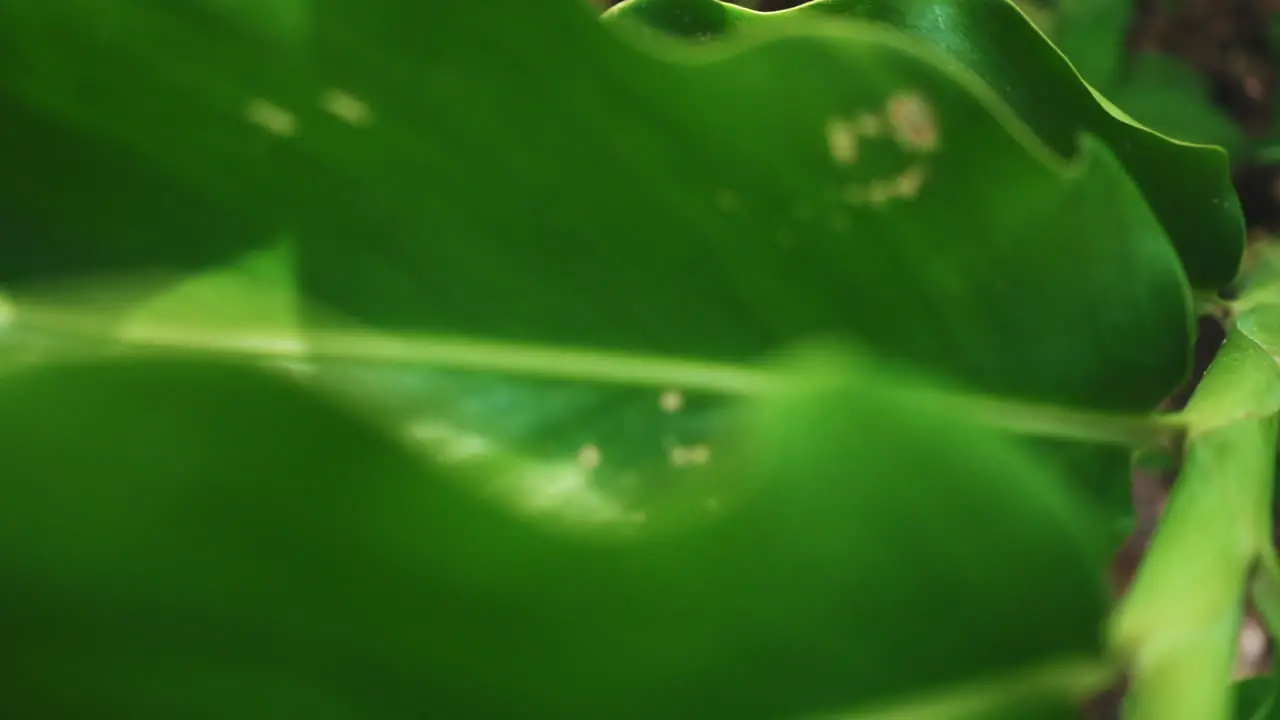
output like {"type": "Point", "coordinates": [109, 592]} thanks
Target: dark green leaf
{"type": "Point", "coordinates": [1256, 698]}
{"type": "Point", "coordinates": [735, 206]}
{"type": "Point", "coordinates": [1092, 34]}
{"type": "Point", "coordinates": [1171, 97]}
{"type": "Point", "coordinates": [666, 234]}
{"type": "Point", "coordinates": [151, 143]}
{"type": "Point", "coordinates": [447, 173]}
{"type": "Point", "coordinates": [1188, 187]}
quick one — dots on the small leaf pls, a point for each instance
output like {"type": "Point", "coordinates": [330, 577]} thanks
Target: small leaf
{"type": "Point", "coordinates": [441, 174]}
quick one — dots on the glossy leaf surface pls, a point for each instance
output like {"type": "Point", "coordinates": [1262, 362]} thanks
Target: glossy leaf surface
{"type": "Point", "coordinates": [1187, 186]}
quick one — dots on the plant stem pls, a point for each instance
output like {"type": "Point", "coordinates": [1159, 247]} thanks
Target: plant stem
{"type": "Point", "coordinates": [465, 354]}
{"type": "Point", "coordinates": [1180, 621]}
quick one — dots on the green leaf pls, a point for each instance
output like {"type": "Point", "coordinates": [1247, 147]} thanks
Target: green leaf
{"type": "Point", "coordinates": [560, 402]}
{"type": "Point", "coordinates": [700, 226]}
{"type": "Point", "coordinates": [1170, 96]}
{"type": "Point", "coordinates": [513, 173]}
{"type": "Point", "coordinates": [457, 178]}
{"type": "Point", "coordinates": [272, 555]}
{"type": "Point", "coordinates": [281, 20]}
{"type": "Point", "coordinates": [355, 578]}
{"type": "Point", "coordinates": [675, 240]}
{"type": "Point", "coordinates": [683, 243]}
{"type": "Point", "coordinates": [256, 293]}
{"type": "Point", "coordinates": [1188, 187]}
{"type": "Point", "coordinates": [1255, 698]}
{"type": "Point", "coordinates": [791, 463]}
{"type": "Point", "coordinates": [1091, 33]}
{"type": "Point", "coordinates": [166, 149]}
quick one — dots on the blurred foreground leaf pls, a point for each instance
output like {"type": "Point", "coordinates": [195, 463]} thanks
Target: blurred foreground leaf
{"type": "Point", "coordinates": [270, 530]}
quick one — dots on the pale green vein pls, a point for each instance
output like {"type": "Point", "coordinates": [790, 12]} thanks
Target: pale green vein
{"type": "Point", "coordinates": [559, 363]}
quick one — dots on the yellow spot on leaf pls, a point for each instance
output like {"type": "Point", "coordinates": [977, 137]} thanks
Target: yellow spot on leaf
{"type": "Point", "coordinates": [271, 117]}
{"type": "Point", "coordinates": [685, 455]}
{"type": "Point", "coordinates": [910, 181]}
{"type": "Point", "coordinates": [671, 401]}
{"type": "Point", "coordinates": [346, 107]}
{"type": "Point", "coordinates": [842, 140]}
{"type": "Point", "coordinates": [8, 312]}
{"type": "Point", "coordinates": [589, 457]}
{"type": "Point", "coordinates": [878, 193]}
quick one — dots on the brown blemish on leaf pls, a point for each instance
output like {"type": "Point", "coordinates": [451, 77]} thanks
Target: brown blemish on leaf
{"type": "Point", "coordinates": [912, 122]}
